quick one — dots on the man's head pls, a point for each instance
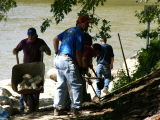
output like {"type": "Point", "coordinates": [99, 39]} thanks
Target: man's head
{"type": "Point", "coordinates": [102, 41]}
{"type": "Point", "coordinates": [97, 48]}
{"type": "Point", "coordinates": [83, 22]}
{"type": "Point", "coordinates": [32, 34]}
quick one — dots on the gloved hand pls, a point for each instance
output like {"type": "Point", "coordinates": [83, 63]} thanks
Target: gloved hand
{"type": "Point", "coordinates": [15, 51]}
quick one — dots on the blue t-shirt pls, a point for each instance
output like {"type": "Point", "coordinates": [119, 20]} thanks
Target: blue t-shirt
{"type": "Point", "coordinates": [106, 54]}
{"type": "Point", "coordinates": [72, 39]}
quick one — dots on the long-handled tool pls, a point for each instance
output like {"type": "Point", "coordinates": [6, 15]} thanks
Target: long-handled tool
{"type": "Point", "coordinates": [94, 72]}
{"type": "Point", "coordinates": [124, 57]}
{"type": "Point", "coordinates": [92, 85]}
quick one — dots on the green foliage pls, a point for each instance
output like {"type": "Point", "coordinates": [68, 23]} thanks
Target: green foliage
{"type": "Point", "coordinates": [149, 60]}
{"type": "Point", "coordinates": [123, 79]}
{"type": "Point", "coordinates": [104, 29]}
{"type": "Point", "coordinates": [5, 6]}
{"type": "Point", "coordinates": [45, 24]}
{"type": "Point", "coordinates": [144, 33]}
{"type": "Point", "coordinates": [60, 8]}
{"type": "Point", "coordinates": [149, 14]}
{"type": "Point", "coordinates": [157, 65]}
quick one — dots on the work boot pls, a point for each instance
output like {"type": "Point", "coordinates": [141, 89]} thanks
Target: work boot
{"type": "Point", "coordinates": [58, 112]}
{"type": "Point", "coordinates": [96, 99]}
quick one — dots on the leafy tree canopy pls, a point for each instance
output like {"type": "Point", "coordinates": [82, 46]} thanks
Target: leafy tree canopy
{"type": "Point", "coordinates": [60, 8]}
{"type": "Point", "coordinates": [5, 6]}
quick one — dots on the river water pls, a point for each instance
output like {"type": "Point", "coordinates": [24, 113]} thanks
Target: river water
{"type": "Point", "coordinates": [30, 13]}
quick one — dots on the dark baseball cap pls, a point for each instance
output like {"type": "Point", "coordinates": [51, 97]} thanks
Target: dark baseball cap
{"type": "Point", "coordinates": [31, 31]}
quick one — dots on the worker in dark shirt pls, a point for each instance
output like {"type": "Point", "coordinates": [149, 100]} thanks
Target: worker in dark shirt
{"type": "Point", "coordinates": [105, 61]}
{"type": "Point", "coordinates": [32, 48]}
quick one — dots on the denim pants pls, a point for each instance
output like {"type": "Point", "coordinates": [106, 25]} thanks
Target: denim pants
{"type": "Point", "coordinates": [32, 100]}
{"type": "Point", "coordinates": [103, 71]}
{"type": "Point", "coordinates": [68, 81]}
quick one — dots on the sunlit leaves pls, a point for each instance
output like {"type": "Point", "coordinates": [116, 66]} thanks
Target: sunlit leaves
{"type": "Point", "coordinates": [143, 34]}
{"type": "Point", "coordinates": [151, 13]}
{"type": "Point", "coordinates": [60, 8]}
{"type": "Point", "coordinates": [5, 6]}
{"type": "Point", "coordinates": [45, 24]}
{"type": "Point", "coordinates": [104, 30]}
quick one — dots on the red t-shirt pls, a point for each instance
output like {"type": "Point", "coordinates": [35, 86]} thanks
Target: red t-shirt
{"type": "Point", "coordinates": [88, 53]}
{"type": "Point", "coordinates": [31, 50]}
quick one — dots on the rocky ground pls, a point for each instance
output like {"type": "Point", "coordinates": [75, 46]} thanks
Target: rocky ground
{"type": "Point", "coordinates": [136, 101]}
{"type": "Point", "coordinates": [139, 100]}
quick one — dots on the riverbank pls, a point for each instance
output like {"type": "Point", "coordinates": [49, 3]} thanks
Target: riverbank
{"type": "Point", "coordinates": [139, 100]}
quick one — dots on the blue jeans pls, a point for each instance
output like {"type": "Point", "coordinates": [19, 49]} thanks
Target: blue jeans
{"type": "Point", "coordinates": [32, 100]}
{"type": "Point", "coordinates": [103, 71]}
{"type": "Point", "coordinates": [68, 81]}
{"type": "Point", "coordinates": [21, 102]}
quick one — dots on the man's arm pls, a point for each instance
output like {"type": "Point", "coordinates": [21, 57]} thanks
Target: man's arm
{"type": "Point", "coordinates": [111, 65]}
{"type": "Point", "coordinates": [18, 48]}
{"type": "Point", "coordinates": [85, 62]}
{"type": "Point", "coordinates": [56, 44]}
{"type": "Point", "coordinates": [46, 49]}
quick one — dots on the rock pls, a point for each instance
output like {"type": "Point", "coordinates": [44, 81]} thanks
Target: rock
{"type": "Point", "coordinates": [27, 76]}
{"type": "Point", "coordinates": [9, 105]}
{"type": "Point", "coordinates": [52, 74]}
{"type": "Point", "coordinates": [4, 92]}
{"type": "Point", "coordinates": [5, 100]}
{"type": "Point", "coordinates": [11, 110]}
{"type": "Point", "coordinates": [30, 82]}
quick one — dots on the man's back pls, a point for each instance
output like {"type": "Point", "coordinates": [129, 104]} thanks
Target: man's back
{"type": "Point", "coordinates": [72, 39]}
{"type": "Point", "coordinates": [105, 55]}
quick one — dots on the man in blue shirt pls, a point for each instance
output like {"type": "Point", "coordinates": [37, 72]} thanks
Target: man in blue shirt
{"type": "Point", "coordinates": [105, 61]}
{"type": "Point", "coordinates": [67, 62]}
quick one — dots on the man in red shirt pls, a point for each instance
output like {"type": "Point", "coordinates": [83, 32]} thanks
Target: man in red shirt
{"type": "Point", "coordinates": [32, 48]}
